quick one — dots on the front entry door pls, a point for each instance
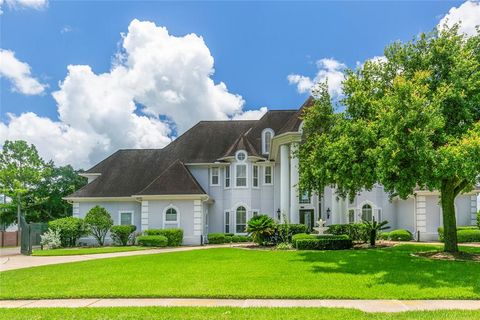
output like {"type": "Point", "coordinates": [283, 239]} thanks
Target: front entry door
{"type": "Point", "coordinates": [307, 218]}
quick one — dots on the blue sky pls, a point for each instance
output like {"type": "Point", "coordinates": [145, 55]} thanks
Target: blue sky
{"type": "Point", "coordinates": [255, 46]}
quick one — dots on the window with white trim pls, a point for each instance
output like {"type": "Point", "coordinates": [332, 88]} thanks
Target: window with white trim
{"type": "Point", "coordinates": [227, 177]}
{"type": "Point", "coordinates": [304, 197]}
{"type": "Point", "coordinates": [255, 176]}
{"type": "Point", "coordinates": [267, 135]}
{"type": "Point", "coordinates": [241, 220]}
{"type": "Point", "coordinates": [215, 176]}
{"type": "Point", "coordinates": [367, 212]}
{"type": "Point", "coordinates": [126, 218]}
{"type": "Point", "coordinates": [171, 218]}
{"type": "Point", "coordinates": [241, 175]}
{"type": "Point", "coordinates": [268, 178]}
{"type": "Point", "coordinates": [254, 213]}
{"type": "Point", "coordinates": [241, 156]}
{"type": "Point", "coordinates": [227, 222]}
{"type": "Point", "coordinates": [351, 216]}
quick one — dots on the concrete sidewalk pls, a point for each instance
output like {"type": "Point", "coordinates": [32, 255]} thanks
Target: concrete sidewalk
{"type": "Point", "coordinates": [363, 305]}
{"type": "Point", "coordinates": [18, 261]}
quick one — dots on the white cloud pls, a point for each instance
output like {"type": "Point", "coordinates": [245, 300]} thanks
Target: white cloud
{"type": "Point", "coordinates": [24, 4]}
{"type": "Point", "coordinates": [66, 29]}
{"type": "Point", "coordinates": [468, 14]}
{"type": "Point", "coordinates": [155, 76]}
{"type": "Point", "coordinates": [329, 70]}
{"type": "Point", "coordinates": [251, 114]}
{"type": "Point", "coordinates": [19, 74]}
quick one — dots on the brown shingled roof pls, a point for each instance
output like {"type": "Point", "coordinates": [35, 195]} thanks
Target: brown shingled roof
{"type": "Point", "coordinates": [293, 124]}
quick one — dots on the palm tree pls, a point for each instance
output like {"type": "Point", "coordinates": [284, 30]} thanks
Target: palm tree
{"type": "Point", "coordinates": [260, 227]}
{"type": "Point", "coordinates": [373, 227]}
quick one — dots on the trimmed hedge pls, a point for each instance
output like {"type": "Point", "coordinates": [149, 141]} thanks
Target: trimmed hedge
{"type": "Point", "coordinates": [70, 229]}
{"type": "Point", "coordinates": [325, 243]}
{"type": "Point", "coordinates": [356, 231]}
{"type": "Point", "coordinates": [152, 241]}
{"type": "Point", "coordinates": [464, 234]}
{"type": "Point", "coordinates": [301, 236]}
{"type": "Point", "coordinates": [121, 234]}
{"type": "Point", "coordinates": [400, 235]}
{"type": "Point", "coordinates": [174, 236]}
{"type": "Point", "coordinates": [219, 238]}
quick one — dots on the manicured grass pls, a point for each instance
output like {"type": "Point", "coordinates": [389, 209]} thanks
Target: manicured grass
{"type": "Point", "coordinates": [388, 273]}
{"type": "Point", "coordinates": [82, 251]}
{"type": "Point", "coordinates": [228, 314]}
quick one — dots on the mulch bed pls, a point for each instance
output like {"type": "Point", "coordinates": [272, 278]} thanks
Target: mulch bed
{"type": "Point", "coordinates": [441, 255]}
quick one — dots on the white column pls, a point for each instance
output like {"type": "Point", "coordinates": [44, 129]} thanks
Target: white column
{"type": "Point", "coordinates": [144, 215]}
{"type": "Point", "coordinates": [473, 210]}
{"type": "Point", "coordinates": [76, 209]}
{"type": "Point", "coordinates": [197, 218]}
{"type": "Point", "coordinates": [284, 180]}
{"type": "Point", "coordinates": [421, 214]}
{"type": "Point", "coordinates": [294, 213]}
{"type": "Point", "coordinates": [335, 210]}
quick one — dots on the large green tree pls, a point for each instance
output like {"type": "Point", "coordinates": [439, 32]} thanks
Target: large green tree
{"type": "Point", "coordinates": [21, 170]}
{"type": "Point", "coordinates": [411, 120]}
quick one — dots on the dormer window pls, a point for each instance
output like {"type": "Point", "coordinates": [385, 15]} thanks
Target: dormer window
{"type": "Point", "coordinates": [267, 135]}
{"type": "Point", "coordinates": [241, 156]}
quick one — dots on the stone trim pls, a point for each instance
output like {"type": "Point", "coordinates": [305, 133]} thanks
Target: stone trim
{"type": "Point", "coordinates": [76, 209]}
{"type": "Point", "coordinates": [144, 215]}
{"type": "Point", "coordinates": [473, 210]}
{"type": "Point", "coordinates": [197, 218]}
{"type": "Point", "coordinates": [421, 214]}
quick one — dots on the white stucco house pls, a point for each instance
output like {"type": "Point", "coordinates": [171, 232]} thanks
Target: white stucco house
{"type": "Point", "coordinates": [218, 174]}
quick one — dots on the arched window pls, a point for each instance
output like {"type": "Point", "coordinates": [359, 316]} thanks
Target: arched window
{"type": "Point", "coordinates": [267, 136]}
{"type": "Point", "coordinates": [367, 212]}
{"type": "Point", "coordinates": [241, 220]}
{"type": "Point", "coordinates": [171, 219]}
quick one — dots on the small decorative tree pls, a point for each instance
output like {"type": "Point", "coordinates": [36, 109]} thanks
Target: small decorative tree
{"type": "Point", "coordinates": [260, 227]}
{"type": "Point", "coordinates": [99, 221]}
{"type": "Point", "coordinates": [372, 229]}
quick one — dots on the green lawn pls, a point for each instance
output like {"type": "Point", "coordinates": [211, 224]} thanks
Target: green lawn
{"type": "Point", "coordinates": [228, 314]}
{"type": "Point", "coordinates": [388, 273]}
{"type": "Point", "coordinates": [82, 251]}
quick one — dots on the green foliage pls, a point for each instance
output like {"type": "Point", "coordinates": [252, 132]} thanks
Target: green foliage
{"type": "Point", "coordinates": [174, 235]}
{"type": "Point", "coordinates": [356, 231]}
{"type": "Point", "coordinates": [284, 246]}
{"type": "Point", "coordinates": [301, 236]}
{"type": "Point", "coordinates": [383, 235]}
{"type": "Point", "coordinates": [325, 243]}
{"type": "Point", "coordinates": [260, 228]}
{"type": "Point", "coordinates": [372, 228]}
{"type": "Point", "coordinates": [21, 170]}
{"type": "Point", "coordinates": [219, 238]}
{"type": "Point", "coordinates": [99, 221]}
{"type": "Point", "coordinates": [122, 234]}
{"type": "Point", "coordinates": [400, 235]}
{"type": "Point", "coordinates": [464, 234]}
{"type": "Point", "coordinates": [70, 228]}
{"type": "Point", "coordinates": [152, 241]}
{"type": "Point", "coordinates": [410, 121]}
{"type": "Point", "coordinates": [478, 219]}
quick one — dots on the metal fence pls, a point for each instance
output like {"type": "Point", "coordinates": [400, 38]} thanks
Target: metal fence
{"type": "Point", "coordinates": [30, 235]}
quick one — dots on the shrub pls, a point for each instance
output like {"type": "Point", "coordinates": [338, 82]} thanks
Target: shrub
{"type": "Point", "coordinates": [400, 235]}
{"type": "Point", "coordinates": [217, 238]}
{"type": "Point", "coordinates": [122, 234]}
{"type": "Point", "coordinates": [99, 220]}
{"type": "Point", "coordinates": [70, 229]}
{"type": "Point", "coordinates": [174, 236]}
{"type": "Point", "coordinates": [152, 241]}
{"type": "Point", "coordinates": [261, 227]}
{"type": "Point", "coordinates": [356, 231]}
{"type": "Point", "coordinates": [478, 219]}
{"type": "Point", "coordinates": [285, 231]}
{"type": "Point", "coordinates": [373, 228]}
{"type": "Point", "coordinates": [284, 246]}
{"type": "Point", "coordinates": [51, 239]}
{"type": "Point", "coordinates": [463, 233]}
{"type": "Point", "coordinates": [325, 243]}
{"type": "Point", "coordinates": [300, 236]}
{"type": "Point", "coordinates": [384, 235]}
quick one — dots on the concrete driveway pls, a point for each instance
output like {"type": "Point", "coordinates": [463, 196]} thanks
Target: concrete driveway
{"type": "Point", "coordinates": [12, 259]}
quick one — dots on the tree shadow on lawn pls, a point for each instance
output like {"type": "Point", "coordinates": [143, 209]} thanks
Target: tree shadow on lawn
{"type": "Point", "coordinates": [396, 265]}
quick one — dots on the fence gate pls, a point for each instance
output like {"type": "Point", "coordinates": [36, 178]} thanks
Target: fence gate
{"type": "Point", "coordinates": [30, 235]}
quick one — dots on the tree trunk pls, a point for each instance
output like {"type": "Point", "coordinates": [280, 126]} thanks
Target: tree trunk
{"type": "Point", "coordinates": [373, 237]}
{"type": "Point", "coordinates": [449, 221]}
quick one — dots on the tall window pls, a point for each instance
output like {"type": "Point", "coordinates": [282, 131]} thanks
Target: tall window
{"type": "Point", "coordinates": [227, 177]}
{"type": "Point", "coordinates": [268, 175]}
{"type": "Point", "coordinates": [171, 218]}
{"type": "Point", "coordinates": [351, 216]}
{"type": "Point", "coordinates": [227, 222]}
{"type": "Point", "coordinates": [255, 176]}
{"type": "Point", "coordinates": [241, 175]}
{"type": "Point", "coordinates": [267, 135]}
{"type": "Point", "coordinates": [126, 218]}
{"type": "Point", "coordinates": [304, 197]}
{"type": "Point", "coordinates": [241, 220]}
{"type": "Point", "coordinates": [367, 212]}
{"type": "Point", "coordinates": [215, 181]}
